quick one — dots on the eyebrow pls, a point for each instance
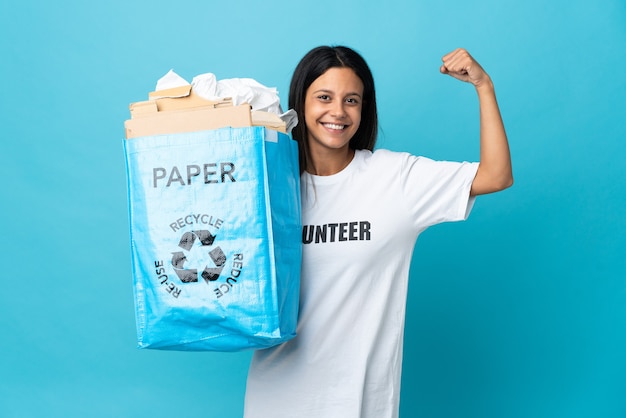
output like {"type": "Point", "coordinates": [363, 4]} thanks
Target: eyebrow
{"type": "Point", "coordinates": [332, 92]}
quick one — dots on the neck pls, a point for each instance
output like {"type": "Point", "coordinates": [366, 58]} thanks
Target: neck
{"type": "Point", "coordinates": [329, 163]}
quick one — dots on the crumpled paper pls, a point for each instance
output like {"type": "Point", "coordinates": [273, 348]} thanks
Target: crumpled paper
{"type": "Point", "coordinates": [240, 90]}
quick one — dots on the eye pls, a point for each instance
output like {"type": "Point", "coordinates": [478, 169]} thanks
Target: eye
{"type": "Point", "coordinates": [324, 97]}
{"type": "Point", "coordinates": [352, 100]}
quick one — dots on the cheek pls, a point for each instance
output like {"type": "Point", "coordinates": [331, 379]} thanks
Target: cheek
{"type": "Point", "coordinates": [356, 119]}
{"type": "Point", "coordinates": [309, 115]}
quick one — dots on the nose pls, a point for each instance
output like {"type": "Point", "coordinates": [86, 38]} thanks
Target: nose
{"type": "Point", "coordinates": [338, 110]}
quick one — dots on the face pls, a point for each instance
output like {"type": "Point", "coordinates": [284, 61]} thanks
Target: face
{"type": "Point", "coordinates": [332, 109]}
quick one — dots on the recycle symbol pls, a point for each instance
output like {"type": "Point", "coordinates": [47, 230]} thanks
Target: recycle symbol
{"type": "Point", "coordinates": [204, 239]}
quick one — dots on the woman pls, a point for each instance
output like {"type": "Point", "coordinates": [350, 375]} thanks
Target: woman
{"type": "Point", "coordinates": [362, 212]}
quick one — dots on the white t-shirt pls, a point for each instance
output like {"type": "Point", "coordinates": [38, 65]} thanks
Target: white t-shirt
{"type": "Point", "coordinates": [359, 231]}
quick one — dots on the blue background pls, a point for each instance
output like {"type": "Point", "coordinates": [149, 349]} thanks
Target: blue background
{"type": "Point", "coordinates": [519, 312]}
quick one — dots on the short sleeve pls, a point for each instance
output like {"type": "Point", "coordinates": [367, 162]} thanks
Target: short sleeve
{"type": "Point", "coordinates": [437, 191]}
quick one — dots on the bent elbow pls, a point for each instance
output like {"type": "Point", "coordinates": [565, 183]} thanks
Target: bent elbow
{"type": "Point", "coordinates": [508, 182]}
{"type": "Point", "coordinates": [503, 183]}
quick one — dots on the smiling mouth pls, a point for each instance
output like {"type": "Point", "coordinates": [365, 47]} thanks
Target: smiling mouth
{"type": "Point", "coordinates": [334, 126]}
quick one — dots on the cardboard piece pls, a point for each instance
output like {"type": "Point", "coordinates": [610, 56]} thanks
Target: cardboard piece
{"type": "Point", "coordinates": [179, 109]}
{"type": "Point", "coordinates": [183, 98]}
{"type": "Point", "coordinates": [188, 120]}
{"type": "Point", "coordinates": [269, 120]}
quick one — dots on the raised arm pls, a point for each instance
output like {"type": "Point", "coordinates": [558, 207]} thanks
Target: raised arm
{"type": "Point", "coordinates": [495, 171]}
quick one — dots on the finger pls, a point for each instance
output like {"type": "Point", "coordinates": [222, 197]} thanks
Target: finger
{"type": "Point", "coordinates": [459, 61]}
{"type": "Point", "coordinates": [456, 68]}
{"type": "Point", "coordinates": [449, 55]}
{"type": "Point", "coordinates": [453, 57]}
{"type": "Point", "coordinates": [452, 66]}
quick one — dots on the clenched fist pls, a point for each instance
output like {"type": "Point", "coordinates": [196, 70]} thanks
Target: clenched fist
{"type": "Point", "coordinates": [462, 66]}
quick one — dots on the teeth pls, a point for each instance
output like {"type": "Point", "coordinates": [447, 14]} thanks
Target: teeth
{"type": "Point", "coordinates": [333, 126]}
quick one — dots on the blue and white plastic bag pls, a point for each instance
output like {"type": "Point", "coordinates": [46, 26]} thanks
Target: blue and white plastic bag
{"type": "Point", "coordinates": [215, 237]}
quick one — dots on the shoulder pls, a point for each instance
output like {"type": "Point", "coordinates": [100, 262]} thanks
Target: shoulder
{"type": "Point", "coordinates": [406, 165]}
{"type": "Point", "coordinates": [384, 155]}
{"type": "Point", "coordinates": [391, 159]}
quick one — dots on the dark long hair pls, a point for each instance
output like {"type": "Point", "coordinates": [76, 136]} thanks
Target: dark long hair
{"type": "Point", "coordinates": [315, 63]}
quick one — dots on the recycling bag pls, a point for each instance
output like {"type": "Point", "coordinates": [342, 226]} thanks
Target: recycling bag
{"type": "Point", "coordinates": [215, 238]}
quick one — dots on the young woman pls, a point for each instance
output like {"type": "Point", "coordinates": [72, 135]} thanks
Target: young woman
{"type": "Point", "coordinates": [362, 212]}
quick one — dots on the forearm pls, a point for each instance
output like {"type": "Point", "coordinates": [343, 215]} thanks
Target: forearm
{"type": "Point", "coordinates": [495, 171]}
